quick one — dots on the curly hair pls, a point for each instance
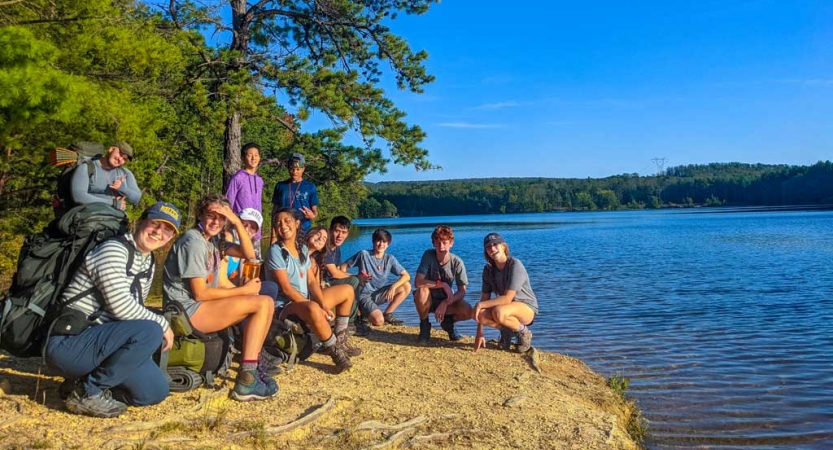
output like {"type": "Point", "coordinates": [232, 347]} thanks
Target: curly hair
{"type": "Point", "coordinates": [442, 233]}
{"type": "Point", "coordinates": [318, 256]}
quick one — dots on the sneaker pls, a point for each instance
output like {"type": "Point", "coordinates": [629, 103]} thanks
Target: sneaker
{"type": "Point", "coordinates": [424, 331]}
{"type": "Point", "coordinates": [448, 325]}
{"type": "Point", "coordinates": [250, 387]}
{"type": "Point", "coordinates": [391, 320]}
{"type": "Point", "coordinates": [362, 327]}
{"type": "Point", "coordinates": [101, 404]}
{"type": "Point", "coordinates": [505, 341]}
{"type": "Point", "coordinates": [342, 339]}
{"type": "Point", "coordinates": [66, 388]}
{"type": "Point", "coordinates": [340, 358]}
{"type": "Point", "coordinates": [524, 340]}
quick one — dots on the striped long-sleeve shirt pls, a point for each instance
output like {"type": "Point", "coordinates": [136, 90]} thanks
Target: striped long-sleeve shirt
{"type": "Point", "coordinates": [105, 271]}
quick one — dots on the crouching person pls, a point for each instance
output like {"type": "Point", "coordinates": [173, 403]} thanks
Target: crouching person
{"type": "Point", "coordinates": [104, 340]}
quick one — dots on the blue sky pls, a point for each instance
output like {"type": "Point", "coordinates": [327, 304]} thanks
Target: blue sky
{"type": "Point", "coordinates": [598, 88]}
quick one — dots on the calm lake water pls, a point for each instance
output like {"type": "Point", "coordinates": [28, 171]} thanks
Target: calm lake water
{"type": "Point", "coordinates": [722, 321]}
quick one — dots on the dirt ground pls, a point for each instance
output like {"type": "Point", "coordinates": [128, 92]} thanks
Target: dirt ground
{"type": "Point", "coordinates": [398, 395]}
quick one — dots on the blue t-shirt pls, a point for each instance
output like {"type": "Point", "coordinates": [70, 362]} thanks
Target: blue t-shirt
{"type": "Point", "coordinates": [296, 195]}
{"type": "Point", "coordinates": [377, 268]}
{"type": "Point", "coordinates": [297, 269]}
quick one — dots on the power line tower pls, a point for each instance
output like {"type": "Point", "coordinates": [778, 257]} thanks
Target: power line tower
{"type": "Point", "coordinates": [660, 163]}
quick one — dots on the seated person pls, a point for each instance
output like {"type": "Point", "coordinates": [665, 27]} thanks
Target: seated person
{"type": "Point", "coordinates": [437, 270]}
{"type": "Point", "coordinates": [110, 183]}
{"type": "Point", "coordinates": [193, 277]}
{"type": "Point", "coordinates": [374, 267]}
{"type": "Point", "coordinates": [105, 338]}
{"type": "Point", "coordinates": [288, 263]}
{"type": "Point", "coordinates": [252, 220]}
{"type": "Point", "coordinates": [514, 307]}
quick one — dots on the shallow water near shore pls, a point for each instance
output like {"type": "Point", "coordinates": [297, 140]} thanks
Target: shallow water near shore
{"type": "Point", "coordinates": [723, 322]}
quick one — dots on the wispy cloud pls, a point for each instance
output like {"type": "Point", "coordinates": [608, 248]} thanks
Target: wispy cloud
{"type": "Point", "coordinates": [470, 125]}
{"type": "Point", "coordinates": [500, 105]}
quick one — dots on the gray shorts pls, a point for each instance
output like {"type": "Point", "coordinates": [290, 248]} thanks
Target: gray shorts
{"type": "Point", "coordinates": [370, 302]}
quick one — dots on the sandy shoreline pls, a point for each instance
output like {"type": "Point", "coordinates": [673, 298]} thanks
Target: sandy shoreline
{"type": "Point", "coordinates": [398, 395]}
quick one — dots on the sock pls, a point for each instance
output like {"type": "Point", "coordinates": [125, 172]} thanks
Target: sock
{"type": "Point", "coordinates": [522, 328]}
{"type": "Point", "coordinates": [248, 365]}
{"type": "Point", "coordinates": [341, 323]}
{"type": "Point", "coordinates": [425, 320]}
{"type": "Point", "coordinates": [330, 342]}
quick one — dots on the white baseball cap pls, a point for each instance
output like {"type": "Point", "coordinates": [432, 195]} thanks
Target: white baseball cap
{"type": "Point", "coordinates": [253, 215]}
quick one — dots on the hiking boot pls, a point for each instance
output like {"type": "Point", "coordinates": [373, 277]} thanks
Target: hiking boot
{"type": "Point", "coordinates": [505, 341]}
{"type": "Point", "coordinates": [524, 340]}
{"type": "Point", "coordinates": [343, 340]}
{"type": "Point", "coordinates": [424, 331]}
{"type": "Point", "coordinates": [66, 388]}
{"type": "Point", "coordinates": [101, 404]}
{"type": "Point", "coordinates": [448, 325]}
{"type": "Point", "coordinates": [362, 327]}
{"type": "Point", "coordinates": [269, 365]}
{"type": "Point", "coordinates": [391, 320]}
{"type": "Point", "coordinates": [351, 328]}
{"type": "Point", "coordinates": [340, 359]}
{"type": "Point", "coordinates": [249, 387]}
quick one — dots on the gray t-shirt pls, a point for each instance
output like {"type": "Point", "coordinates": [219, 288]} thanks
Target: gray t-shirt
{"type": "Point", "coordinates": [512, 277]}
{"type": "Point", "coordinates": [190, 257]}
{"type": "Point", "coordinates": [377, 268]}
{"type": "Point", "coordinates": [454, 271]}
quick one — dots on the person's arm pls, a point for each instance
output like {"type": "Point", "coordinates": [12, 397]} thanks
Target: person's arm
{"type": "Point", "coordinates": [80, 187]}
{"type": "Point", "coordinates": [203, 293]}
{"type": "Point", "coordinates": [108, 272]}
{"type": "Point", "coordinates": [243, 250]}
{"type": "Point", "coordinates": [129, 189]}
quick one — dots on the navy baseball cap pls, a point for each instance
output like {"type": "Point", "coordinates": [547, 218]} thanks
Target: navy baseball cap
{"type": "Point", "coordinates": [165, 212]}
{"type": "Point", "coordinates": [493, 238]}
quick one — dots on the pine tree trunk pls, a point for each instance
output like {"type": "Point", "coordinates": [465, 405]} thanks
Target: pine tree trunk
{"type": "Point", "coordinates": [232, 161]}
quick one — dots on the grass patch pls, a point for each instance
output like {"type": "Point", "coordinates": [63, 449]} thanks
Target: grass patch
{"type": "Point", "coordinates": [636, 425]}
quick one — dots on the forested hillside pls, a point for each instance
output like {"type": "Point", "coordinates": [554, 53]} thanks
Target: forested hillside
{"type": "Point", "coordinates": [710, 184]}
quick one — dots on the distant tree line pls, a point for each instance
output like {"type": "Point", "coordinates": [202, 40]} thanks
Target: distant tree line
{"type": "Point", "coordinates": [709, 184]}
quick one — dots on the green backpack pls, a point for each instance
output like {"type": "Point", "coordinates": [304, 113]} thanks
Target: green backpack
{"type": "Point", "coordinates": [195, 358]}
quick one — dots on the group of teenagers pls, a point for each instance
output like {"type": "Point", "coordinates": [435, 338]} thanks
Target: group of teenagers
{"type": "Point", "coordinates": [103, 344]}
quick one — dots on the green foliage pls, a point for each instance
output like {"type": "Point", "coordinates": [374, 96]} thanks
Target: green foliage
{"type": "Point", "coordinates": [710, 185]}
{"type": "Point", "coordinates": [328, 57]}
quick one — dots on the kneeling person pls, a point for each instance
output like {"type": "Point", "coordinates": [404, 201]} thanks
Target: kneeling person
{"type": "Point", "coordinates": [105, 338]}
{"type": "Point", "coordinates": [438, 270]}
{"type": "Point", "coordinates": [374, 267]}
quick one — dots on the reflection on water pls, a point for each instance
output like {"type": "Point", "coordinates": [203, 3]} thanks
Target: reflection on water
{"type": "Point", "coordinates": [723, 322]}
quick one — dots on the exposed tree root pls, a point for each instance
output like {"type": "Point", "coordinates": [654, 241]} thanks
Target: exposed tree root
{"type": "Point", "coordinates": [438, 436]}
{"type": "Point", "coordinates": [393, 439]}
{"type": "Point", "coordinates": [314, 415]}
{"type": "Point", "coordinates": [534, 359]}
{"type": "Point", "coordinates": [374, 425]}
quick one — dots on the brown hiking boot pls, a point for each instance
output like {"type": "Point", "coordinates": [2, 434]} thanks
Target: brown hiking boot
{"type": "Point", "coordinates": [524, 340]}
{"type": "Point", "coordinates": [340, 359]}
{"type": "Point", "coordinates": [343, 340]}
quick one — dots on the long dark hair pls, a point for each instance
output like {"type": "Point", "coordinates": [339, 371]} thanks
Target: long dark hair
{"type": "Point", "coordinates": [318, 255]}
{"type": "Point", "coordinates": [300, 241]}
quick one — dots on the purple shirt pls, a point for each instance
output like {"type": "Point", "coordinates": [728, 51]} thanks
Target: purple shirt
{"type": "Point", "coordinates": [245, 191]}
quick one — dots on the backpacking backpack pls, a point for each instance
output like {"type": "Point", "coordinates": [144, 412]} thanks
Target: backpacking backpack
{"type": "Point", "coordinates": [288, 341]}
{"type": "Point", "coordinates": [79, 153]}
{"type": "Point", "coordinates": [195, 358]}
{"type": "Point", "coordinates": [45, 267]}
